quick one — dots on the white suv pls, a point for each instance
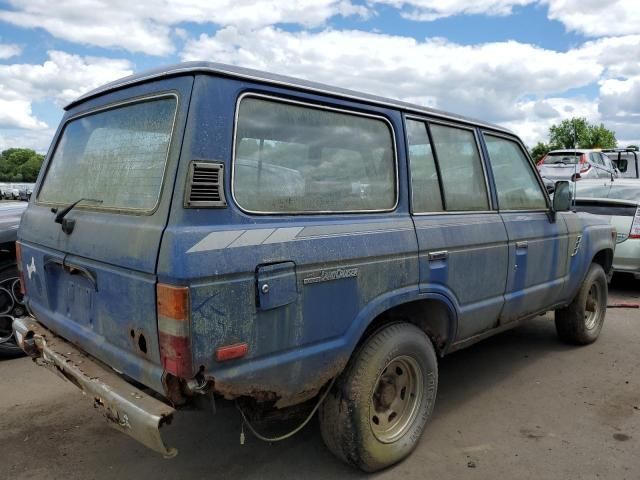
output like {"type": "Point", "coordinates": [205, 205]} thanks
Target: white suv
{"type": "Point", "coordinates": [576, 164]}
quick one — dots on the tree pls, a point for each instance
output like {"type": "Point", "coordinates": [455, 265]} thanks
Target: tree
{"type": "Point", "coordinates": [19, 165]}
{"type": "Point", "coordinates": [579, 133]}
{"type": "Point", "coordinates": [539, 151]}
{"type": "Point", "coordinates": [600, 137]}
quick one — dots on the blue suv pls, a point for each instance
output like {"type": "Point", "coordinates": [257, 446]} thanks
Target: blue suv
{"type": "Point", "coordinates": [207, 231]}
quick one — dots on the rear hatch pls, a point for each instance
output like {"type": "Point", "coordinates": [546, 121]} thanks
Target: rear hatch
{"type": "Point", "coordinates": [560, 165]}
{"type": "Point", "coordinates": [94, 283]}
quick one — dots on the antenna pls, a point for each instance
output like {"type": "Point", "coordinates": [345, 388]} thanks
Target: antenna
{"type": "Point", "coordinates": [575, 166]}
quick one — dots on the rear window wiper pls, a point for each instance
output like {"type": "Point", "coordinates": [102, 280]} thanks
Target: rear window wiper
{"type": "Point", "coordinates": [60, 214]}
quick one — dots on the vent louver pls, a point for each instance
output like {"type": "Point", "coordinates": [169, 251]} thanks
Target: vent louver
{"type": "Point", "coordinates": [205, 185]}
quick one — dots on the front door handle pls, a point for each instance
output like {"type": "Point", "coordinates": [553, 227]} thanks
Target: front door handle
{"type": "Point", "coordinates": [439, 255]}
{"type": "Point", "coordinates": [522, 244]}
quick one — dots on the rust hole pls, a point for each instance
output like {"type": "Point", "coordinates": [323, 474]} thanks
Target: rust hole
{"type": "Point", "coordinates": [132, 333]}
{"type": "Point", "coordinates": [142, 343]}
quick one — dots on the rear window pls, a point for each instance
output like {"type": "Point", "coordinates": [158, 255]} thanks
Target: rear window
{"type": "Point", "coordinates": [116, 157]}
{"type": "Point", "coordinates": [292, 158]}
{"type": "Point", "coordinates": [566, 158]}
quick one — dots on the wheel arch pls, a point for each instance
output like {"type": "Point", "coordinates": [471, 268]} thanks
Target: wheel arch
{"type": "Point", "coordinates": [433, 312]}
{"type": "Point", "coordinates": [604, 258]}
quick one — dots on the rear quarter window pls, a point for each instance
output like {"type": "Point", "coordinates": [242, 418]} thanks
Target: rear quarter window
{"type": "Point", "coordinates": [295, 158]}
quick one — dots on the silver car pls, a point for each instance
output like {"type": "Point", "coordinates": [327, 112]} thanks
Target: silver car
{"type": "Point", "coordinates": [576, 164]}
{"type": "Point", "coordinates": [620, 201]}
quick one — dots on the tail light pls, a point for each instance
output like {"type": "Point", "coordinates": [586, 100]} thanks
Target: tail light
{"type": "Point", "coordinates": [174, 332]}
{"type": "Point", "coordinates": [635, 226]}
{"type": "Point", "coordinates": [541, 161]}
{"type": "Point", "coordinates": [585, 165]}
{"type": "Point", "coordinates": [20, 272]}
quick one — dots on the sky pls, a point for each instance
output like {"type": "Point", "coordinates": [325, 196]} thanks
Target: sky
{"type": "Point", "coordinates": [524, 64]}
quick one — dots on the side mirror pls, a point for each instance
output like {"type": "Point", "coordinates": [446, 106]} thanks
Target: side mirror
{"type": "Point", "coordinates": [562, 197]}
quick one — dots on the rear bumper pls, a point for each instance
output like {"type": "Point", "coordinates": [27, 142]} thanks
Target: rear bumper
{"type": "Point", "coordinates": [126, 407]}
{"type": "Point", "coordinates": [627, 257]}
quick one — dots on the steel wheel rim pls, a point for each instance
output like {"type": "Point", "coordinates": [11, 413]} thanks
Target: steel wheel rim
{"type": "Point", "coordinates": [592, 307]}
{"type": "Point", "coordinates": [396, 399]}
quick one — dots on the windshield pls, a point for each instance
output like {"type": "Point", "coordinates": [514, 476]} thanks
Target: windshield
{"type": "Point", "coordinates": [560, 158]}
{"type": "Point", "coordinates": [117, 156]}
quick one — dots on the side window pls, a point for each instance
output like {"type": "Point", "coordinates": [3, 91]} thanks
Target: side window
{"type": "Point", "coordinates": [424, 176]}
{"type": "Point", "coordinates": [516, 183]}
{"type": "Point", "coordinates": [595, 157]}
{"type": "Point", "coordinates": [461, 170]}
{"type": "Point", "coordinates": [292, 158]}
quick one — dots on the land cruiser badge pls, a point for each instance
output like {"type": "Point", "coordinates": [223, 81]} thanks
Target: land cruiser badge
{"type": "Point", "coordinates": [329, 275]}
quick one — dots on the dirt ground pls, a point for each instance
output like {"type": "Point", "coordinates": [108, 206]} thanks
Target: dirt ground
{"type": "Point", "coordinates": [517, 406]}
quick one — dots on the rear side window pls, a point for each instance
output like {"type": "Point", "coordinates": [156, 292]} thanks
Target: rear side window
{"type": "Point", "coordinates": [114, 156]}
{"type": "Point", "coordinates": [461, 170]}
{"type": "Point", "coordinates": [424, 175]}
{"type": "Point", "coordinates": [292, 158]}
{"type": "Point", "coordinates": [516, 183]}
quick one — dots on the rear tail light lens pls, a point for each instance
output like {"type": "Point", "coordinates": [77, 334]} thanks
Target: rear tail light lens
{"type": "Point", "coordinates": [174, 329]}
{"type": "Point", "coordinates": [585, 165]}
{"type": "Point", "coordinates": [635, 226]}
{"type": "Point", "coordinates": [541, 161]}
{"type": "Point", "coordinates": [20, 272]}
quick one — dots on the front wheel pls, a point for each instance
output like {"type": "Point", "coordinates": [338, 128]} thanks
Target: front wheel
{"type": "Point", "coordinates": [378, 408]}
{"type": "Point", "coordinates": [581, 321]}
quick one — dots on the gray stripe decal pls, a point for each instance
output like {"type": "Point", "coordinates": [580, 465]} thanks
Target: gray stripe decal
{"type": "Point", "coordinates": [252, 237]}
{"type": "Point", "coordinates": [216, 241]}
{"type": "Point", "coordinates": [266, 236]}
{"type": "Point", "coordinates": [283, 235]}
{"type": "Point", "coordinates": [323, 230]}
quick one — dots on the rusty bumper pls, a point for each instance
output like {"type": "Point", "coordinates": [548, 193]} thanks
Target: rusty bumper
{"type": "Point", "coordinates": [126, 407]}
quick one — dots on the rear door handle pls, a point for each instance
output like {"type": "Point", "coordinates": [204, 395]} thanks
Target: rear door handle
{"type": "Point", "coordinates": [439, 255]}
{"type": "Point", "coordinates": [522, 244]}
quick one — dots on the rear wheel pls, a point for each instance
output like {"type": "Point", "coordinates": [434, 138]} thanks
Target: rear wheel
{"type": "Point", "coordinates": [10, 306]}
{"type": "Point", "coordinates": [378, 408]}
{"type": "Point", "coordinates": [581, 321]}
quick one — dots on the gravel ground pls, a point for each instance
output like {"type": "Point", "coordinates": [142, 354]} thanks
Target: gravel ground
{"type": "Point", "coordinates": [519, 405]}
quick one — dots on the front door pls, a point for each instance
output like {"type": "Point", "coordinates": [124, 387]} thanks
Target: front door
{"type": "Point", "coordinates": [537, 245]}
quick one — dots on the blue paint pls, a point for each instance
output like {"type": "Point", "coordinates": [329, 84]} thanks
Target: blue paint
{"type": "Point", "coordinates": [297, 332]}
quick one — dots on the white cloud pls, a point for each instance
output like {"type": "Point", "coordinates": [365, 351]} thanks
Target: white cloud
{"type": "Point", "coordinates": [597, 18]}
{"type": "Point", "coordinates": [144, 26]}
{"type": "Point", "coordinates": [38, 140]}
{"type": "Point", "coordinates": [484, 80]}
{"type": "Point", "coordinates": [593, 18]}
{"type": "Point", "coordinates": [8, 50]}
{"type": "Point", "coordinates": [534, 117]}
{"type": "Point", "coordinates": [429, 10]}
{"type": "Point", "coordinates": [61, 78]}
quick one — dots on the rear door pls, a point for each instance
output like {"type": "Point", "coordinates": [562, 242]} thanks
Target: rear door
{"type": "Point", "coordinates": [462, 241]}
{"type": "Point", "coordinates": [538, 247]}
{"type": "Point", "coordinates": [95, 283]}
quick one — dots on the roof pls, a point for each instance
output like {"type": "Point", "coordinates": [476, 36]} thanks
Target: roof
{"type": "Point", "coordinates": [273, 79]}
{"type": "Point", "coordinates": [578, 150]}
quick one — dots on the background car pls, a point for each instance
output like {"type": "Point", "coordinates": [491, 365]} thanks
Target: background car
{"type": "Point", "coordinates": [24, 192]}
{"type": "Point", "coordinates": [625, 160]}
{"type": "Point", "coordinates": [10, 297]}
{"type": "Point", "coordinates": [567, 164]}
{"type": "Point", "coordinates": [620, 202]}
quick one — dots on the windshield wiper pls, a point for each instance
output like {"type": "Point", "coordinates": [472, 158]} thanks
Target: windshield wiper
{"type": "Point", "coordinates": [67, 225]}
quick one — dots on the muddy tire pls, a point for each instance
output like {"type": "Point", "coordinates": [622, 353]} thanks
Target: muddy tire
{"type": "Point", "coordinates": [581, 321]}
{"type": "Point", "coordinates": [378, 408]}
{"type": "Point", "coordinates": [9, 306]}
